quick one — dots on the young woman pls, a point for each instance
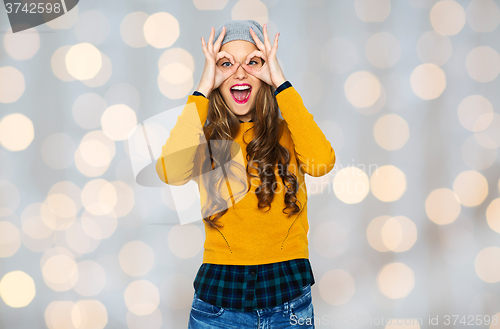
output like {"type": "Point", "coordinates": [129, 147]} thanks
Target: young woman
{"type": "Point", "coordinates": [249, 164]}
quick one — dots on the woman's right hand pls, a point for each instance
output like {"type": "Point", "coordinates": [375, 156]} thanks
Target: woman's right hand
{"type": "Point", "coordinates": [212, 77]}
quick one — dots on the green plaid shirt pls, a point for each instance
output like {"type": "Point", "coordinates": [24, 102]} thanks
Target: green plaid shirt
{"type": "Point", "coordinates": [251, 287]}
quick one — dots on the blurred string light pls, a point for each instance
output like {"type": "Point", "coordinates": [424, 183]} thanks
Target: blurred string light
{"type": "Point", "coordinates": [12, 84]}
{"type": "Point", "coordinates": [131, 29]}
{"type": "Point", "coordinates": [483, 16]}
{"type": "Point", "coordinates": [117, 121]}
{"type": "Point", "coordinates": [99, 197]}
{"type": "Point", "coordinates": [185, 241]}
{"type": "Point", "coordinates": [16, 132]}
{"type": "Point", "coordinates": [493, 215]}
{"type": "Point", "coordinates": [175, 80]}
{"type": "Point", "coordinates": [33, 225]}
{"type": "Point", "coordinates": [58, 64]}
{"type": "Point", "coordinates": [362, 89]}
{"type": "Point", "coordinates": [177, 56]}
{"type": "Point", "coordinates": [351, 185]}
{"type": "Point", "coordinates": [388, 183]}
{"type": "Point", "coordinates": [428, 81]}
{"type": "Point", "coordinates": [210, 4]}
{"type": "Point", "coordinates": [142, 297]}
{"type": "Point", "coordinates": [442, 206]}
{"type": "Point", "coordinates": [136, 258]}
{"type": "Point", "coordinates": [475, 113]}
{"type": "Point", "coordinates": [337, 286]}
{"type": "Point", "coordinates": [489, 138]}
{"type": "Point", "coordinates": [64, 200]}
{"type": "Point", "coordinates": [391, 132]}
{"type": "Point", "coordinates": [88, 313]}
{"type": "Point", "coordinates": [83, 61]}
{"type": "Point", "coordinates": [161, 30]}
{"type": "Point", "coordinates": [250, 9]}
{"type": "Point", "coordinates": [23, 45]}
{"type": "Point", "coordinates": [434, 47]}
{"type": "Point", "coordinates": [471, 187]}
{"type": "Point", "coordinates": [395, 280]}
{"type": "Point", "coordinates": [99, 227]}
{"type": "Point", "coordinates": [372, 10]}
{"type": "Point", "coordinates": [483, 64]}
{"type": "Point", "coordinates": [486, 264]}
{"type": "Point", "coordinates": [447, 17]}
{"type": "Point", "coordinates": [386, 233]}
{"type": "Point", "coordinates": [17, 289]}
{"type": "Point", "coordinates": [103, 75]}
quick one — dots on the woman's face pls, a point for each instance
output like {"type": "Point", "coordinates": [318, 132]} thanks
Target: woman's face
{"type": "Point", "coordinates": [240, 101]}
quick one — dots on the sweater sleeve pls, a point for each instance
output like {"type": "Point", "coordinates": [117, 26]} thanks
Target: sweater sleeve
{"type": "Point", "coordinates": [176, 162]}
{"type": "Point", "coordinates": [313, 151]}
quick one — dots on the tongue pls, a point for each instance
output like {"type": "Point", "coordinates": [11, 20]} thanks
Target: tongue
{"type": "Point", "coordinates": [240, 94]}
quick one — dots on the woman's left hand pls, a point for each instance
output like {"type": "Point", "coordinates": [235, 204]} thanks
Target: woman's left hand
{"type": "Point", "coordinates": [270, 72]}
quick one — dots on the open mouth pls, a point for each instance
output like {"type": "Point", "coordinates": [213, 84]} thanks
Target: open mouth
{"type": "Point", "coordinates": [241, 93]}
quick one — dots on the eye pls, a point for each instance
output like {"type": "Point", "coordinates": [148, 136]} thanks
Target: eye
{"type": "Point", "coordinates": [226, 63]}
{"type": "Point", "coordinates": [253, 61]}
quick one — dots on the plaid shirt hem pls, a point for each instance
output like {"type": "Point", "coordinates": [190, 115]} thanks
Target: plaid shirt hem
{"type": "Point", "coordinates": [250, 287]}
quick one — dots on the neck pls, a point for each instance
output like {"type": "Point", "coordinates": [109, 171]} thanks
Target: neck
{"type": "Point", "coordinates": [244, 118]}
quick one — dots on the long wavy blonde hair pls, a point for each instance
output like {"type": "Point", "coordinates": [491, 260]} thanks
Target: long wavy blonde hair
{"type": "Point", "coordinates": [220, 129]}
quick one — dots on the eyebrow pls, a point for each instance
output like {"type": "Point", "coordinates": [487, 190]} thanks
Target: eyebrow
{"type": "Point", "coordinates": [227, 59]}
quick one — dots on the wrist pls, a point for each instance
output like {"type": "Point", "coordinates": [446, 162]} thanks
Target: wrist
{"type": "Point", "coordinates": [279, 82]}
{"type": "Point", "coordinates": [204, 90]}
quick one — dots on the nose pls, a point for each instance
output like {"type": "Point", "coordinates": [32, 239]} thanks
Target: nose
{"type": "Point", "coordinates": [240, 72]}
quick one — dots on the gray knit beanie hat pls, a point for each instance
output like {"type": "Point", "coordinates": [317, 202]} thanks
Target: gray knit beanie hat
{"type": "Point", "coordinates": [239, 30]}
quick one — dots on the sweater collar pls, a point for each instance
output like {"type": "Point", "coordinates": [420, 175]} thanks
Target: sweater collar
{"type": "Point", "coordinates": [251, 120]}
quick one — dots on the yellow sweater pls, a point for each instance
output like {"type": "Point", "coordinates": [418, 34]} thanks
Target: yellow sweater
{"type": "Point", "coordinates": [251, 236]}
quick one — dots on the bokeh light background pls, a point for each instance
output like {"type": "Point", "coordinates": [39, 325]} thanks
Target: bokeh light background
{"type": "Point", "coordinates": [406, 226]}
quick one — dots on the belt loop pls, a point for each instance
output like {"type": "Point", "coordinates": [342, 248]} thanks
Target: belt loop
{"type": "Point", "coordinates": [285, 307]}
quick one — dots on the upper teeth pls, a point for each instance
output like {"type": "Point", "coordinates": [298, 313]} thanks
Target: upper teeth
{"type": "Point", "coordinates": [241, 87]}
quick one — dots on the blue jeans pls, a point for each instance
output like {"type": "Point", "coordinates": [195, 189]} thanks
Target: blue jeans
{"type": "Point", "coordinates": [296, 313]}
